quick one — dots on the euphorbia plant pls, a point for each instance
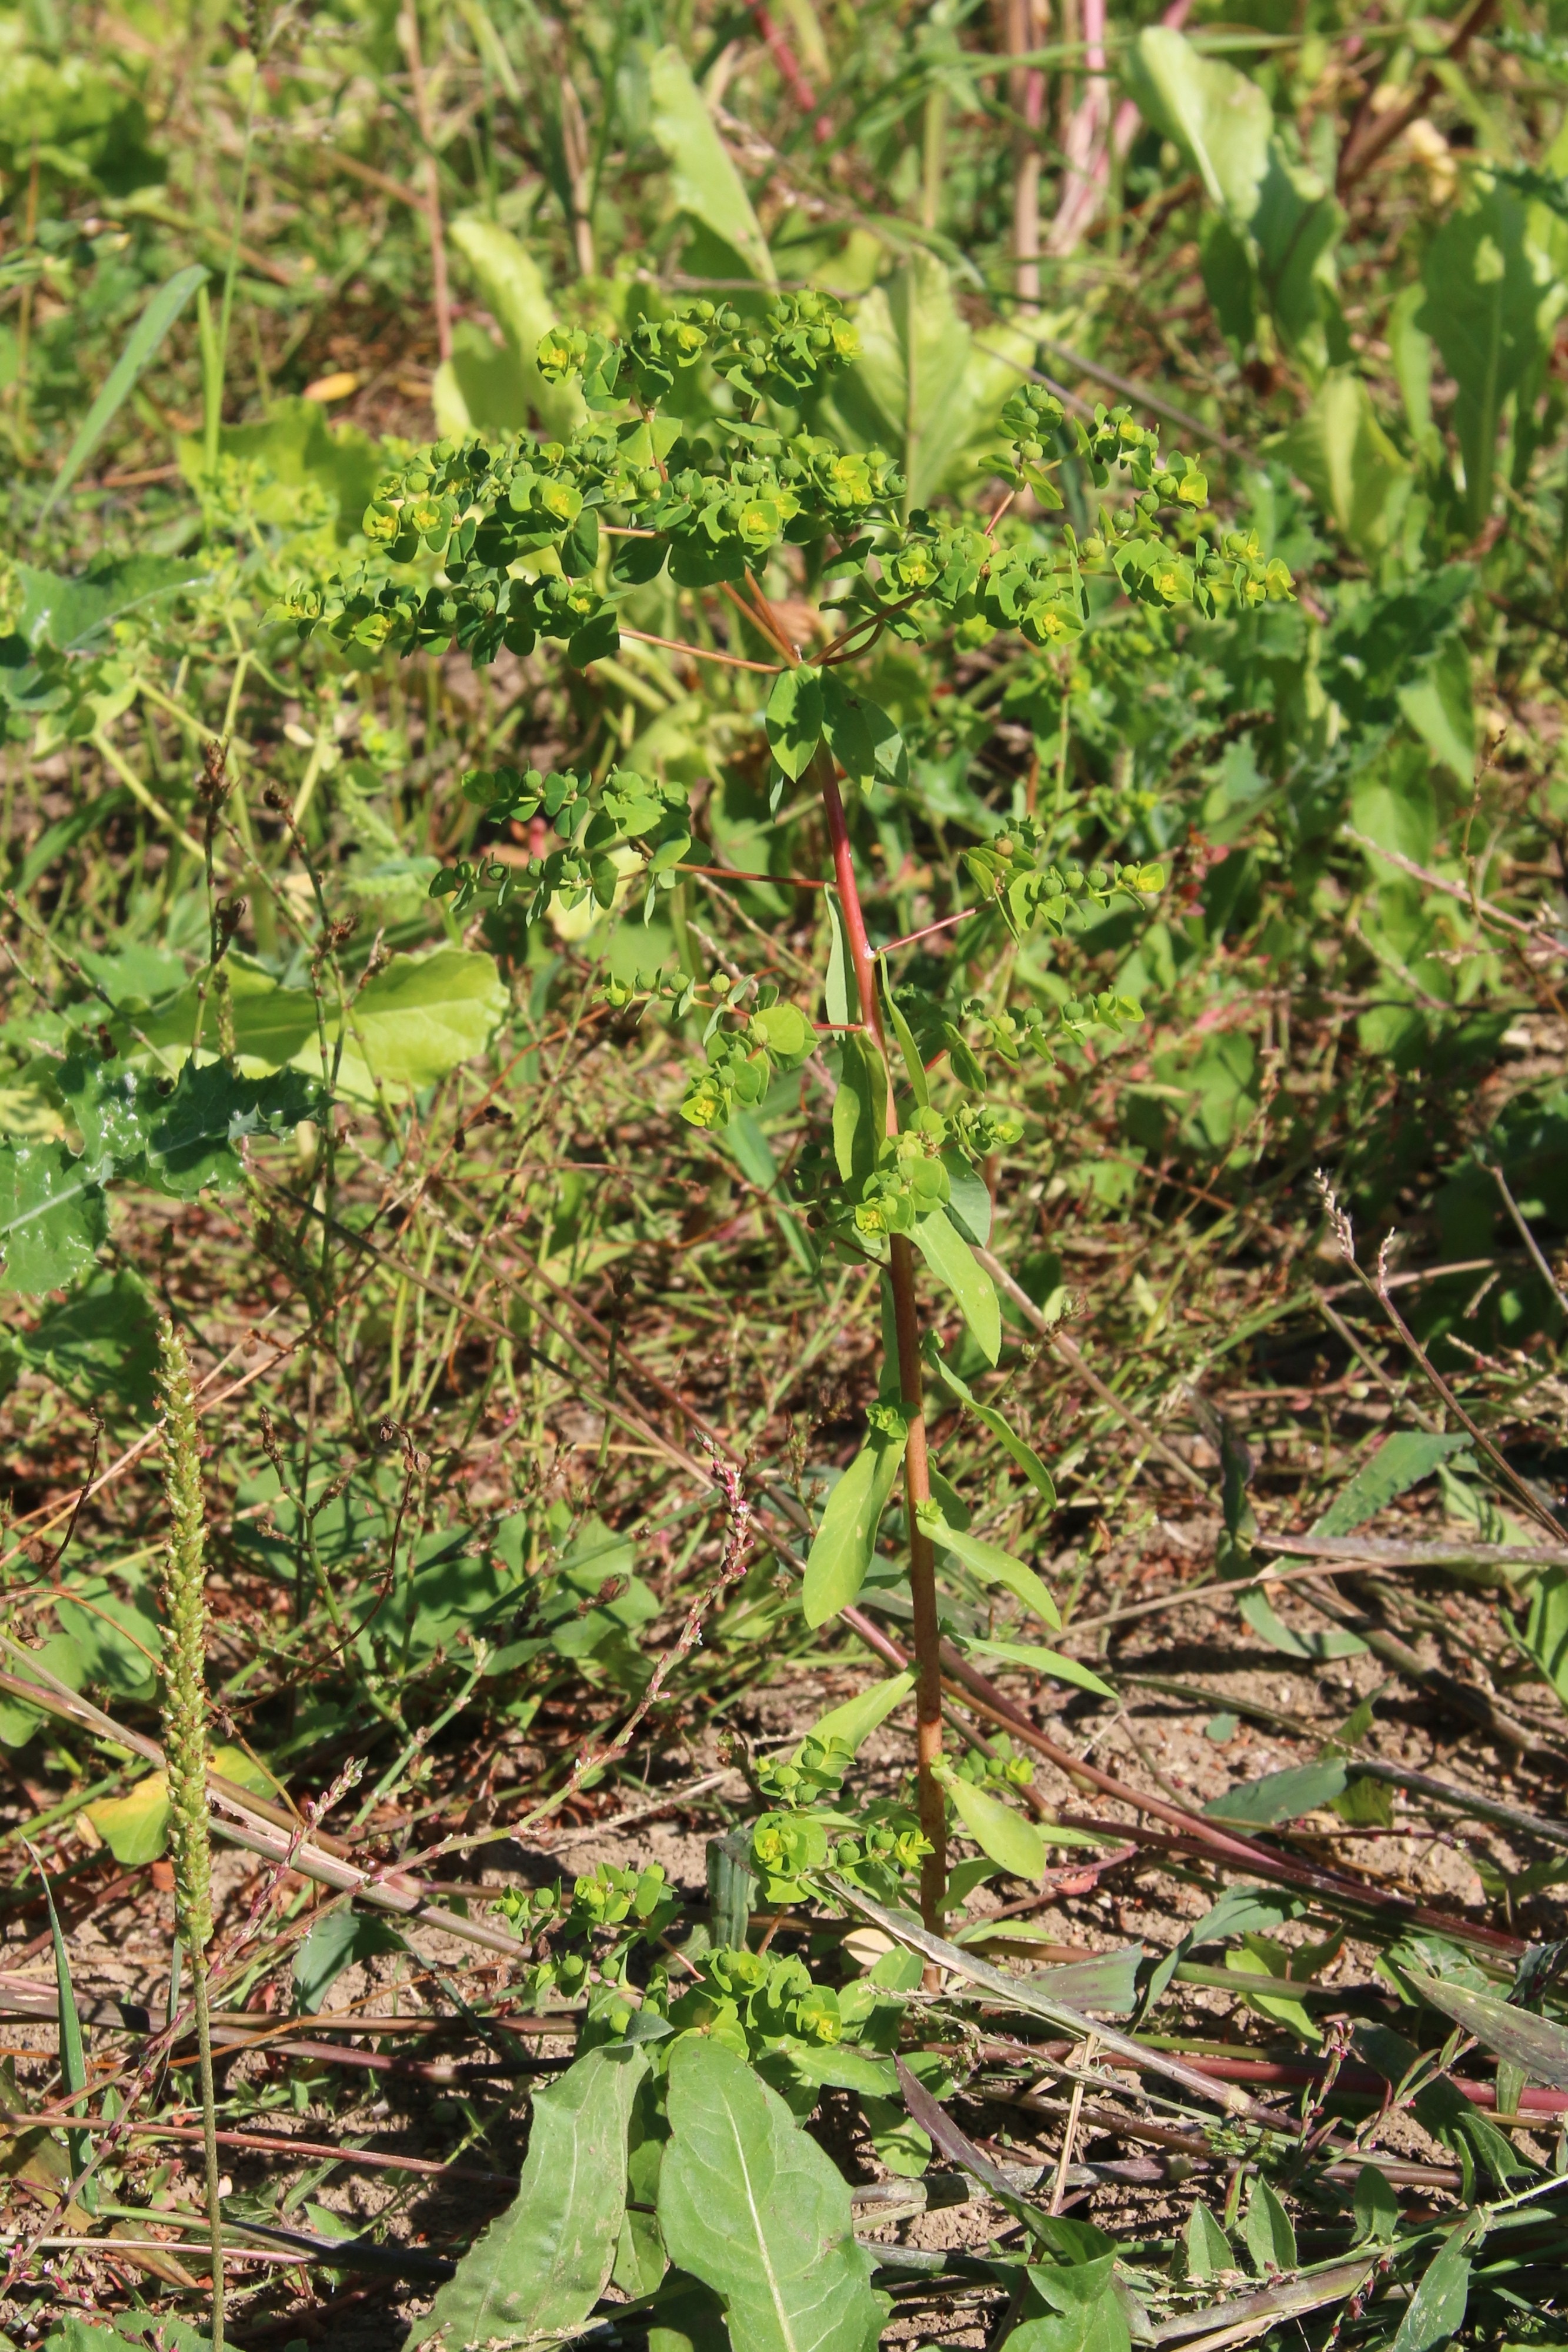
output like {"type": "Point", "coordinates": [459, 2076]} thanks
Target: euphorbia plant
{"type": "Point", "coordinates": [485, 546]}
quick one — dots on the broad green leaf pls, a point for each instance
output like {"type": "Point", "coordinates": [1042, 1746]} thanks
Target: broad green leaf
{"type": "Point", "coordinates": [855, 1721]}
{"type": "Point", "coordinates": [841, 1551]}
{"type": "Point", "coordinates": [1281, 1796]}
{"type": "Point", "coordinates": [861, 736]}
{"type": "Point", "coordinates": [1546, 1629]}
{"type": "Point", "coordinates": [1489, 310]}
{"type": "Point", "coordinates": [836, 988]}
{"type": "Point", "coordinates": [758, 2211]}
{"type": "Point", "coordinates": [790, 1036]}
{"type": "Point", "coordinates": [409, 1026]}
{"type": "Point", "coordinates": [146, 341]}
{"type": "Point", "coordinates": [1088, 2316]}
{"type": "Point", "coordinates": [1374, 2205]}
{"type": "Point", "coordinates": [1437, 2310]}
{"type": "Point", "coordinates": [70, 614]}
{"type": "Point", "coordinates": [997, 1829]}
{"type": "Point", "coordinates": [120, 1642]}
{"type": "Point", "coordinates": [1043, 1662]}
{"type": "Point", "coordinates": [334, 1943]}
{"type": "Point", "coordinates": [1538, 2044]}
{"type": "Point", "coordinates": [687, 2316]}
{"type": "Point", "coordinates": [539, 2269]}
{"type": "Point", "coordinates": [1023, 1454]}
{"type": "Point", "coordinates": [1270, 2237]}
{"type": "Point", "coordinates": [859, 1107]}
{"type": "Point", "coordinates": [502, 389]}
{"type": "Point", "coordinates": [704, 181]}
{"type": "Point", "coordinates": [54, 1217]}
{"type": "Point", "coordinates": [1207, 2247]}
{"type": "Point", "coordinates": [179, 1139]}
{"type": "Point", "coordinates": [1262, 1961]}
{"type": "Point", "coordinates": [100, 1343]}
{"type": "Point", "coordinates": [59, 1656]}
{"type": "Point", "coordinates": [1441, 708]}
{"type": "Point", "coordinates": [969, 1204]}
{"type": "Point", "coordinates": [953, 1263]}
{"type": "Point", "coordinates": [1282, 222]}
{"type": "Point", "coordinates": [991, 1564]}
{"type": "Point", "coordinates": [1349, 463]}
{"type": "Point", "coordinates": [295, 448]}
{"type": "Point", "coordinates": [794, 718]}
{"type": "Point", "coordinates": [135, 1827]}
{"type": "Point", "coordinates": [923, 386]}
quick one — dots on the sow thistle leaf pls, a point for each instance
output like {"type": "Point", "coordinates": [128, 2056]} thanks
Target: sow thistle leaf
{"type": "Point", "coordinates": [997, 1829]}
{"type": "Point", "coordinates": [539, 2269]}
{"type": "Point", "coordinates": [840, 1556]}
{"type": "Point", "coordinates": [180, 1140]}
{"type": "Point", "coordinates": [54, 1217]}
{"type": "Point", "coordinates": [992, 1565]}
{"type": "Point", "coordinates": [753, 2208]}
{"type": "Point", "coordinates": [953, 1263]}
{"type": "Point", "coordinates": [794, 719]}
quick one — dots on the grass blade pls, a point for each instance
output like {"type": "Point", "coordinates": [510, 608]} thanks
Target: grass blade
{"type": "Point", "coordinates": [146, 340]}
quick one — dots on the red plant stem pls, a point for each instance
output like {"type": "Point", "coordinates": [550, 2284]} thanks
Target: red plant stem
{"type": "Point", "coordinates": [932, 1804]}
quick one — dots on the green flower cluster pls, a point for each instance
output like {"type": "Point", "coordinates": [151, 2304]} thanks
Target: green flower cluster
{"type": "Point", "coordinates": [631, 1907]}
{"type": "Point", "coordinates": [766, 1037]}
{"type": "Point", "coordinates": [1006, 1769]}
{"type": "Point", "coordinates": [598, 825]}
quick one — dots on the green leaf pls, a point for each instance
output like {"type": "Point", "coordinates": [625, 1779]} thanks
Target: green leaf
{"type": "Point", "coordinates": [1042, 1661]}
{"type": "Point", "coordinates": [1318, 1643]}
{"type": "Point", "coordinates": [997, 1829]}
{"type": "Point", "coordinates": [1437, 2310]}
{"type": "Point", "coordinates": [758, 2211]}
{"type": "Point", "coordinates": [859, 1107]}
{"type": "Point", "coordinates": [1546, 1629]}
{"type": "Point", "coordinates": [704, 181]}
{"type": "Point", "coordinates": [1027, 1460]}
{"type": "Point", "coordinates": [968, 1197]}
{"type": "Point", "coordinates": [1538, 2044]}
{"type": "Point", "coordinates": [1207, 2247]}
{"type": "Point", "coordinates": [914, 1069]}
{"type": "Point", "coordinates": [1349, 463]}
{"type": "Point", "coordinates": [687, 2316]}
{"type": "Point", "coordinates": [180, 1139]}
{"type": "Point", "coordinates": [73, 2056]}
{"type": "Point", "coordinates": [59, 1656]}
{"type": "Point", "coordinates": [841, 1551]}
{"type": "Point", "coordinates": [539, 2269]}
{"type": "Point", "coordinates": [1282, 222]}
{"type": "Point", "coordinates": [836, 988]}
{"type": "Point", "coordinates": [1374, 2205]}
{"type": "Point", "coordinates": [53, 1217]}
{"type": "Point", "coordinates": [70, 614]}
{"type": "Point", "coordinates": [1489, 310]}
{"type": "Point", "coordinates": [335, 1943]}
{"type": "Point", "coordinates": [921, 386]}
{"type": "Point", "coordinates": [101, 1344]}
{"type": "Point", "coordinates": [856, 1719]}
{"type": "Point", "coordinates": [861, 738]}
{"type": "Point", "coordinates": [992, 1565]}
{"type": "Point", "coordinates": [501, 389]}
{"type": "Point", "coordinates": [1281, 1796]}
{"type": "Point", "coordinates": [135, 1827]}
{"type": "Point", "coordinates": [953, 1262]}
{"type": "Point", "coordinates": [790, 1037]}
{"type": "Point", "coordinates": [794, 718]}
{"type": "Point", "coordinates": [1401, 1462]}
{"type": "Point", "coordinates": [1270, 2236]}
{"type": "Point", "coordinates": [146, 341]}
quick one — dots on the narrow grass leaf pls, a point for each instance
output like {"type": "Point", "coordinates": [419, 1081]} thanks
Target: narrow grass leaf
{"type": "Point", "coordinates": [146, 341]}
{"type": "Point", "coordinates": [73, 2054]}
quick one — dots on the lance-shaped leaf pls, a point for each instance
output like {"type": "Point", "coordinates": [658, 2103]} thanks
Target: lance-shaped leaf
{"type": "Point", "coordinates": [758, 2211]}
{"type": "Point", "coordinates": [989, 1563]}
{"type": "Point", "coordinates": [1437, 2310]}
{"type": "Point", "coordinates": [1041, 1660]}
{"type": "Point", "coordinates": [1023, 1454]}
{"type": "Point", "coordinates": [840, 1556]}
{"type": "Point", "coordinates": [705, 184]}
{"type": "Point", "coordinates": [953, 1262]}
{"type": "Point", "coordinates": [857, 1719]}
{"type": "Point", "coordinates": [861, 736]}
{"type": "Point", "coordinates": [859, 1107]}
{"type": "Point", "coordinates": [539, 2269]}
{"type": "Point", "coordinates": [146, 341]}
{"type": "Point", "coordinates": [1538, 2044]}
